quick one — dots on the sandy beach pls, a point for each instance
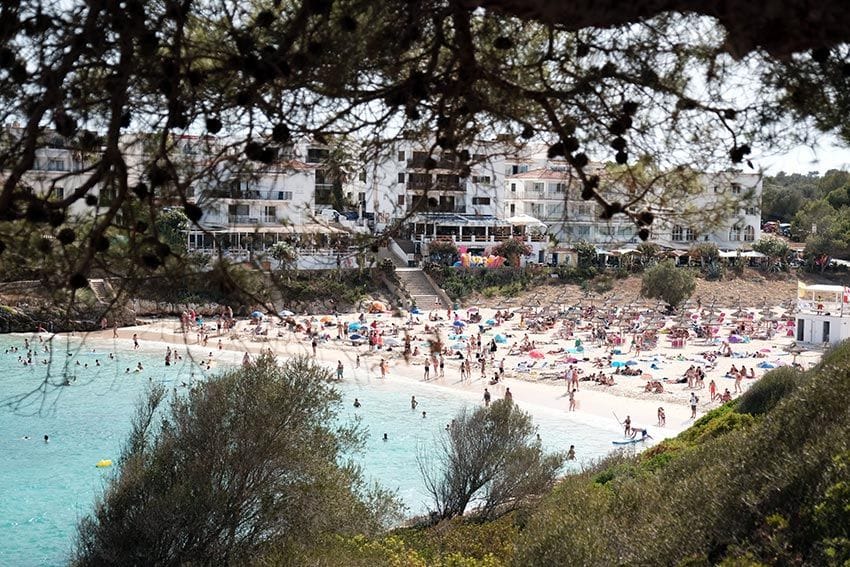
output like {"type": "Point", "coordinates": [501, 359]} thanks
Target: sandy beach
{"type": "Point", "coordinates": [536, 347]}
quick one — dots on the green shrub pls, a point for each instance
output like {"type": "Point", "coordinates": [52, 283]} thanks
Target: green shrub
{"type": "Point", "coordinates": [766, 392]}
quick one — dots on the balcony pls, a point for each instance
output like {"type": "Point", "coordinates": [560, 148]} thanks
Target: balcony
{"type": "Point", "coordinates": [244, 194]}
{"type": "Point", "coordinates": [442, 163]}
{"type": "Point", "coordinates": [242, 219]}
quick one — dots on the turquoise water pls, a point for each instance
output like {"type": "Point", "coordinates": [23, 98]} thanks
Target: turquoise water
{"type": "Point", "coordinates": [45, 488]}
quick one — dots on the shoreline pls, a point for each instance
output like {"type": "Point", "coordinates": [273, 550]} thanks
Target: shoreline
{"type": "Point", "coordinates": [537, 389]}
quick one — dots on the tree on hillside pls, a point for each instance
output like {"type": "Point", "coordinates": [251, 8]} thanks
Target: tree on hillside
{"type": "Point", "coordinates": [669, 283]}
{"type": "Point", "coordinates": [227, 86]}
{"type": "Point", "coordinates": [774, 248]}
{"type": "Point", "coordinates": [489, 458]}
{"type": "Point", "coordinates": [248, 461]}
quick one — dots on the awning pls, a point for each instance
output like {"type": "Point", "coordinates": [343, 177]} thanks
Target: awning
{"type": "Point", "coordinates": [525, 220]}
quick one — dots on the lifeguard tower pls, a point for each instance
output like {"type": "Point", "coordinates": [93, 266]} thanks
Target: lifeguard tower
{"type": "Point", "coordinates": [823, 313]}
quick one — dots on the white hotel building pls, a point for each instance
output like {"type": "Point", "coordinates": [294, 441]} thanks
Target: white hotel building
{"type": "Point", "coordinates": [506, 191]}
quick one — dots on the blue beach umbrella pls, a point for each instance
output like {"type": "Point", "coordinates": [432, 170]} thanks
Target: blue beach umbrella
{"type": "Point", "coordinates": [617, 363]}
{"type": "Point", "coordinates": [631, 363]}
{"type": "Point", "coordinates": [458, 346]}
{"type": "Point", "coordinates": [500, 339]}
{"type": "Point", "coordinates": [766, 365]}
{"type": "Point", "coordinates": [353, 326]}
{"type": "Point", "coordinates": [490, 322]}
{"type": "Point", "coordinates": [458, 323]}
{"type": "Point", "coordinates": [257, 315]}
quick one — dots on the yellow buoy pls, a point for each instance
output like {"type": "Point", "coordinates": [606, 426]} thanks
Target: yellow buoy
{"type": "Point", "coordinates": [103, 463]}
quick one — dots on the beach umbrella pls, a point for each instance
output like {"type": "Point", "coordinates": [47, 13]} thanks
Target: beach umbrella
{"type": "Point", "coordinates": [766, 365]}
{"type": "Point", "coordinates": [256, 315]}
{"type": "Point", "coordinates": [490, 322]}
{"type": "Point", "coordinates": [285, 313]}
{"type": "Point", "coordinates": [353, 326]}
{"type": "Point", "coordinates": [458, 323]}
{"type": "Point", "coordinates": [472, 310]}
{"type": "Point", "coordinates": [326, 319]}
{"type": "Point", "coordinates": [536, 354]}
{"type": "Point", "coordinates": [355, 337]}
{"type": "Point", "coordinates": [392, 341]}
{"type": "Point", "coordinates": [415, 311]}
{"type": "Point", "coordinates": [631, 363]}
{"type": "Point", "coordinates": [764, 350]}
{"type": "Point", "coordinates": [500, 339]}
{"type": "Point", "coordinates": [458, 346]}
{"type": "Point", "coordinates": [617, 363]}
{"type": "Point", "coordinates": [457, 337]}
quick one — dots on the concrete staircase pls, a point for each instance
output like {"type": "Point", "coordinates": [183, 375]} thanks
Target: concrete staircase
{"type": "Point", "coordinates": [102, 290]}
{"type": "Point", "coordinates": [420, 289]}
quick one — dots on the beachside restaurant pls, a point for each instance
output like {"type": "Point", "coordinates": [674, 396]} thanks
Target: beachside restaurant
{"type": "Point", "coordinates": [823, 313]}
{"type": "Point", "coordinates": [318, 246]}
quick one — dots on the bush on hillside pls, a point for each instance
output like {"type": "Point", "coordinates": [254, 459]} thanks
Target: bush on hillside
{"type": "Point", "coordinates": [246, 460]}
{"type": "Point", "coordinates": [667, 282]}
{"type": "Point", "coordinates": [766, 392]}
{"type": "Point", "coordinates": [491, 457]}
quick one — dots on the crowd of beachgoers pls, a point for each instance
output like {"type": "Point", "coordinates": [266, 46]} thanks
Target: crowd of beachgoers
{"type": "Point", "coordinates": [613, 361]}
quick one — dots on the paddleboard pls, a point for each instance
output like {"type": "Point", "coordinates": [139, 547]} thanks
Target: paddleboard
{"type": "Point", "coordinates": [628, 441]}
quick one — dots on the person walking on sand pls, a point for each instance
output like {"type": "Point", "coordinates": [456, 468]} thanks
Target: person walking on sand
{"type": "Point", "coordinates": [694, 401]}
{"type": "Point", "coordinates": [738, 377]}
{"type": "Point", "coordinates": [627, 426]}
{"type": "Point", "coordinates": [383, 367]}
{"type": "Point", "coordinates": [357, 361]}
{"type": "Point", "coordinates": [712, 390]}
{"type": "Point", "coordinates": [427, 368]}
{"type": "Point", "coordinates": [314, 344]}
{"type": "Point", "coordinates": [339, 369]}
{"type": "Point", "coordinates": [462, 371]}
{"type": "Point", "coordinates": [486, 397]}
{"type": "Point", "coordinates": [135, 341]}
{"type": "Point", "coordinates": [508, 395]}
{"type": "Point", "coordinates": [115, 329]}
{"type": "Point", "coordinates": [246, 360]}
{"type": "Point", "coordinates": [573, 399]}
{"type": "Point", "coordinates": [662, 418]}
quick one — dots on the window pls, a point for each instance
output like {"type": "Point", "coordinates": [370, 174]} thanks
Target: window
{"type": "Point", "coordinates": [734, 234]}
{"type": "Point", "coordinates": [478, 157]}
{"type": "Point", "coordinates": [581, 230]}
{"type": "Point", "coordinates": [554, 210]}
{"type": "Point", "coordinates": [690, 234]}
{"type": "Point", "coordinates": [626, 230]}
{"type": "Point", "coordinates": [512, 209]}
{"type": "Point", "coordinates": [238, 213]}
{"type": "Point", "coordinates": [513, 187]}
{"type": "Point", "coordinates": [401, 156]}
{"type": "Point", "coordinates": [537, 187]}
{"type": "Point", "coordinates": [481, 200]}
{"type": "Point", "coordinates": [361, 197]}
{"type": "Point", "coordinates": [59, 192]}
{"type": "Point", "coordinates": [54, 164]}
{"type": "Point", "coordinates": [607, 230]}
{"type": "Point", "coordinates": [676, 234]}
{"type": "Point", "coordinates": [751, 211]}
{"type": "Point", "coordinates": [316, 155]}
{"type": "Point", "coordinates": [401, 177]}
{"type": "Point", "coordinates": [284, 195]}
{"type": "Point", "coordinates": [363, 176]}
{"type": "Point", "coordinates": [749, 234]}
{"type": "Point", "coordinates": [481, 179]}
{"type": "Point", "coordinates": [400, 200]}
{"type": "Point", "coordinates": [269, 214]}
{"type": "Point", "coordinates": [736, 188]}
{"type": "Point", "coordinates": [556, 187]}
{"type": "Point", "coordinates": [515, 168]}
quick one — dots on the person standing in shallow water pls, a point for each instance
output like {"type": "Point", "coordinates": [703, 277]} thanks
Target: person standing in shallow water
{"type": "Point", "coordinates": [413, 402]}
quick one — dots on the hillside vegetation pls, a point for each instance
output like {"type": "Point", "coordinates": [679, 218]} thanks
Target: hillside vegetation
{"type": "Point", "coordinates": [764, 480]}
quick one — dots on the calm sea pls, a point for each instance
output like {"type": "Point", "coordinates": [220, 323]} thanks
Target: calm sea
{"type": "Point", "coordinates": [45, 488]}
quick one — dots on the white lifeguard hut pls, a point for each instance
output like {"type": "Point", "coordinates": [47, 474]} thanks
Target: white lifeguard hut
{"type": "Point", "coordinates": [823, 313]}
